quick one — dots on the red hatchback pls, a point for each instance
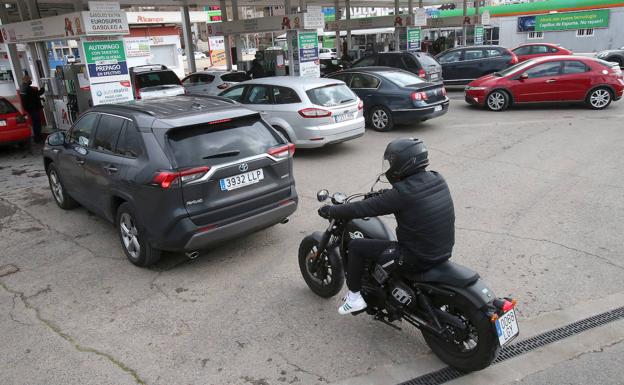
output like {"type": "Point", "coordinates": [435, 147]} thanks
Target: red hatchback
{"type": "Point", "coordinates": [14, 126]}
{"type": "Point", "coordinates": [533, 50]}
{"type": "Point", "coordinates": [549, 79]}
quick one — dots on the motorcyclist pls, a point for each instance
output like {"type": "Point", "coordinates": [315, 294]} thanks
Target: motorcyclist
{"type": "Point", "coordinates": [422, 205]}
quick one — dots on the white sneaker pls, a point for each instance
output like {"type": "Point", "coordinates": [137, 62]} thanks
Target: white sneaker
{"type": "Point", "coordinates": [350, 306]}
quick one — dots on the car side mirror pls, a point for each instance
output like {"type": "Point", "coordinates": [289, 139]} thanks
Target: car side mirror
{"type": "Point", "coordinates": [56, 139]}
{"type": "Point", "coordinates": [524, 76]}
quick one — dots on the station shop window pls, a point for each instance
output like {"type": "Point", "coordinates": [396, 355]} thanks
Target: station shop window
{"type": "Point", "coordinates": [535, 35]}
{"type": "Point", "coordinates": [586, 32]}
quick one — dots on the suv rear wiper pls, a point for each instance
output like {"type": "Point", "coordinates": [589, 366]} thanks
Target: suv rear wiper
{"type": "Point", "coordinates": [223, 154]}
{"type": "Point", "coordinates": [346, 100]}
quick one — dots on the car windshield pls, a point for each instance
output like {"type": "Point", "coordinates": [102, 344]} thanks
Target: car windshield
{"type": "Point", "coordinates": [225, 141]}
{"type": "Point", "coordinates": [331, 95]}
{"type": "Point", "coordinates": [157, 78]}
{"type": "Point", "coordinates": [402, 79]}
{"type": "Point", "coordinates": [514, 68]}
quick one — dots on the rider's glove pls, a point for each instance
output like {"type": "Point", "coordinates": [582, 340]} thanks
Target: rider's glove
{"type": "Point", "coordinates": [324, 211]}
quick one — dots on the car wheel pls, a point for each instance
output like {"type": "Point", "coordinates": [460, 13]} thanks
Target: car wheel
{"type": "Point", "coordinates": [381, 119]}
{"type": "Point", "coordinates": [497, 100]}
{"type": "Point", "coordinates": [61, 197]}
{"type": "Point", "coordinates": [132, 237]}
{"type": "Point", "coordinates": [599, 98]}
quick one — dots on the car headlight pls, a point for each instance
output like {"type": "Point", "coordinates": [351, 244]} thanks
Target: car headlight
{"type": "Point", "coordinates": [468, 88]}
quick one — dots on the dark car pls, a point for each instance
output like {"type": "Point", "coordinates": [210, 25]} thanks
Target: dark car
{"type": "Point", "coordinates": [178, 174]}
{"type": "Point", "coordinates": [419, 63]}
{"type": "Point", "coordinates": [613, 55]}
{"type": "Point", "coordinates": [392, 96]}
{"type": "Point", "coordinates": [154, 81]}
{"type": "Point", "coordinates": [464, 64]}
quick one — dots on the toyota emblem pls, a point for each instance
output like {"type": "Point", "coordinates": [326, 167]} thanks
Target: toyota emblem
{"type": "Point", "coordinates": [243, 167]}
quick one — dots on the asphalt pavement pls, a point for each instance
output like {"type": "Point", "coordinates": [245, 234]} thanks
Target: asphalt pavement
{"type": "Point", "coordinates": [538, 195]}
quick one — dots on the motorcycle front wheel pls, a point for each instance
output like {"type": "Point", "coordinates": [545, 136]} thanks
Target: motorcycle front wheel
{"type": "Point", "coordinates": [472, 349]}
{"type": "Point", "coordinates": [323, 273]}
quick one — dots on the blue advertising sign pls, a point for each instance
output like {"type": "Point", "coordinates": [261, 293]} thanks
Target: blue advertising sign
{"type": "Point", "coordinates": [108, 70]}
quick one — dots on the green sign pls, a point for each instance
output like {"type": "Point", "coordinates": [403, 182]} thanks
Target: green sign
{"type": "Point", "coordinates": [97, 51]}
{"type": "Point", "coordinates": [308, 46]}
{"type": "Point", "coordinates": [478, 35]}
{"type": "Point", "coordinates": [413, 39]}
{"type": "Point", "coordinates": [573, 20]}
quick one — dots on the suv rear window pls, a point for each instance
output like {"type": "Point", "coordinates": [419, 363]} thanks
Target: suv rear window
{"type": "Point", "coordinates": [210, 144]}
{"type": "Point", "coordinates": [157, 78]}
{"type": "Point", "coordinates": [235, 77]}
{"type": "Point", "coordinates": [331, 95]}
{"type": "Point", "coordinates": [425, 59]}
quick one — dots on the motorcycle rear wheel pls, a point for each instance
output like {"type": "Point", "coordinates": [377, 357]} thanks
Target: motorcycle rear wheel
{"type": "Point", "coordinates": [323, 275]}
{"type": "Point", "coordinates": [465, 355]}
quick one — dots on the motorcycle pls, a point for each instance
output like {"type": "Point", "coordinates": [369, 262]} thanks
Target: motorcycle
{"type": "Point", "coordinates": [461, 319]}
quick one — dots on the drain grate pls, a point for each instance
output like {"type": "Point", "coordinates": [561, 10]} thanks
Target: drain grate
{"type": "Point", "coordinates": [447, 374]}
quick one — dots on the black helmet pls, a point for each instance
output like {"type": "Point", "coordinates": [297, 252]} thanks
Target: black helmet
{"type": "Point", "coordinates": [404, 157]}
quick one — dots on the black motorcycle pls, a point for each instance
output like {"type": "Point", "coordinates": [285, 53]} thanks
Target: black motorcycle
{"type": "Point", "coordinates": [461, 319]}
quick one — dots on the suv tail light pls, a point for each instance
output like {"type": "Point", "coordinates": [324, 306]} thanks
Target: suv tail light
{"type": "Point", "coordinates": [282, 152]}
{"type": "Point", "coordinates": [223, 86]}
{"type": "Point", "coordinates": [167, 179]}
{"type": "Point", "coordinates": [514, 59]}
{"type": "Point", "coordinates": [422, 73]}
{"type": "Point", "coordinates": [137, 91]}
{"type": "Point", "coordinates": [360, 104]}
{"type": "Point", "coordinates": [418, 96]}
{"type": "Point", "coordinates": [314, 113]}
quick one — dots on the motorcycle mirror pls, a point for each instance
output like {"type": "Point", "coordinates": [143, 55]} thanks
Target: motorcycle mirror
{"type": "Point", "coordinates": [339, 198]}
{"type": "Point", "coordinates": [322, 195]}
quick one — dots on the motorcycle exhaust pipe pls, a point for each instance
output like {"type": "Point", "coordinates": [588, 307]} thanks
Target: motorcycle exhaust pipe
{"type": "Point", "coordinates": [192, 254]}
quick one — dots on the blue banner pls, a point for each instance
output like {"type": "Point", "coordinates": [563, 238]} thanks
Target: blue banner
{"type": "Point", "coordinates": [107, 70]}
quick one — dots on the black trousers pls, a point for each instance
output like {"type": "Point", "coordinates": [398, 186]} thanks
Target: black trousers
{"type": "Point", "coordinates": [384, 253]}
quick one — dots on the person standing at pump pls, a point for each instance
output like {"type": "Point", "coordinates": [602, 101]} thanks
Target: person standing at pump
{"type": "Point", "coordinates": [31, 102]}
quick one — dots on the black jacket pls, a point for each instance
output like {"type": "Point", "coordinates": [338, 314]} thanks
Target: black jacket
{"type": "Point", "coordinates": [423, 208]}
{"type": "Point", "coordinates": [31, 97]}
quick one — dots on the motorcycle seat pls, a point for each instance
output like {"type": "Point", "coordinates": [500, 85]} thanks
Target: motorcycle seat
{"type": "Point", "coordinates": [447, 273]}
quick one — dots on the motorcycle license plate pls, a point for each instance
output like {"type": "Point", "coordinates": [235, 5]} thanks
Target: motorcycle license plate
{"type": "Point", "coordinates": [241, 180]}
{"type": "Point", "coordinates": [506, 327]}
{"type": "Point", "coordinates": [343, 117]}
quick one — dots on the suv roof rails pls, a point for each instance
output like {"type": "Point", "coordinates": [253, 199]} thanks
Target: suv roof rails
{"type": "Point", "coordinates": [220, 98]}
{"type": "Point", "coordinates": [126, 106]}
{"type": "Point", "coordinates": [150, 67]}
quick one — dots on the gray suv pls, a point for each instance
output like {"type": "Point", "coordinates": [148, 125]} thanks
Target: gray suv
{"type": "Point", "coordinates": [177, 174]}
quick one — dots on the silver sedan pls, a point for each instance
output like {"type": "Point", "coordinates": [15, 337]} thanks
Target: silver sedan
{"type": "Point", "coordinates": [309, 112]}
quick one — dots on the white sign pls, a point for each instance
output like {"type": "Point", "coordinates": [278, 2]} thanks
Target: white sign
{"type": "Point", "coordinates": [61, 115]}
{"type": "Point", "coordinates": [266, 24]}
{"type": "Point", "coordinates": [164, 17]}
{"type": "Point", "coordinates": [137, 46]}
{"type": "Point", "coordinates": [55, 27]}
{"type": "Point", "coordinates": [217, 43]}
{"type": "Point", "coordinates": [420, 17]}
{"type": "Point", "coordinates": [485, 17]}
{"type": "Point", "coordinates": [110, 93]}
{"type": "Point", "coordinates": [105, 23]}
{"type": "Point", "coordinates": [104, 6]}
{"type": "Point", "coordinates": [370, 22]}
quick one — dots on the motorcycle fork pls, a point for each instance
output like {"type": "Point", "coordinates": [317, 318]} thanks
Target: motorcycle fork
{"type": "Point", "coordinates": [324, 241]}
